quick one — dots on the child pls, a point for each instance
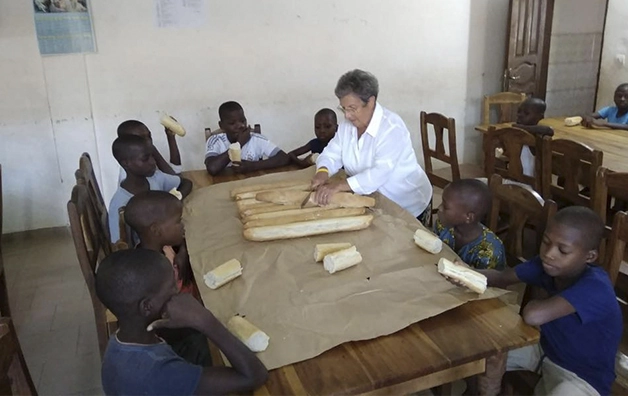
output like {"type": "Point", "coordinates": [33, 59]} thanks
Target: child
{"type": "Point", "coordinates": [529, 113]}
{"type": "Point", "coordinates": [254, 146]}
{"type": "Point", "coordinates": [580, 320]}
{"type": "Point", "coordinates": [325, 127]}
{"type": "Point", "coordinates": [134, 154]}
{"type": "Point", "coordinates": [614, 117]}
{"type": "Point", "coordinates": [465, 204]}
{"type": "Point", "coordinates": [134, 127]}
{"type": "Point", "coordinates": [138, 287]}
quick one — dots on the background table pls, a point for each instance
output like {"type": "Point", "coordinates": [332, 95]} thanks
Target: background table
{"type": "Point", "coordinates": [436, 351]}
{"type": "Point", "coordinates": [611, 142]}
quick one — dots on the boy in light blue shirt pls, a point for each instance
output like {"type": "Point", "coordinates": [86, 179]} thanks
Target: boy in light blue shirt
{"type": "Point", "coordinates": [614, 117]}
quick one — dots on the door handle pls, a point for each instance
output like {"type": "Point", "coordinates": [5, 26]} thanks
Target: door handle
{"type": "Point", "coordinates": [508, 74]}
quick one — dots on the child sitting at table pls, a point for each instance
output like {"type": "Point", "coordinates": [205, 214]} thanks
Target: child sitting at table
{"type": "Point", "coordinates": [529, 113]}
{"type": "Point", "coordinates": [254, 146]}
{"type": "Point", "coordinates": [325, 127]}
{"type": "Point", "coordinates": [134, 127]}
{"type": "Point", "coordinates": [614, 117]}
{"type": "Point", "coordinates": [138, 287]}
{"type": "Point", "coordinates": [464, 205]}
{"type": "Point", "coordinates": [134, 154]}
{"type": "Point", "coordinates": [580, 319]}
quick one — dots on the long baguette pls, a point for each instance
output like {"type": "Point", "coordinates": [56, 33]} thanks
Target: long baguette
{"type": "Point", "coordinates": [245, 204]}
{"type": "Point", "coordinates": [315, 215]}
{"type": "Point", "coordinates": [308, 228]}
{"type": "Point", "coordinates": [263, 187]}
{"type": "Point", "coordinates": [471, 279]}
{"type": "Point", "coordinates": [270, 209]}
{"type": "Point", "coordinates": [280, 213]}
{"type": "Point", "coordinates": [252, 194]}
{"type": "Point", "coordinates": [344, 200]}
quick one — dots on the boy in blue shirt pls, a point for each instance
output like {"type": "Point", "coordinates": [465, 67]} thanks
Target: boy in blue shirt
{"type": "Point", "coordinates": [580, 319]}
{"type": "Point", "coordinates": [325, 127]}
{"type": "Point", "coordinates": [614, 117]}
{"type": "Point", "coordinates": [139, 288]}
{"type": "Point", "coordinates": [459, 224]}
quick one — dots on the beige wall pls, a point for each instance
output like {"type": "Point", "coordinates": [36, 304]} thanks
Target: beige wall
{"type": "Point", "coordinates": [612, 71]}
{"type": "Point", "coordinates": [279, 58]}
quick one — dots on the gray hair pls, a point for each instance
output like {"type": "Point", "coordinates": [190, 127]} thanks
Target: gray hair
{"type": "Point", "coordinates": [359, 82]}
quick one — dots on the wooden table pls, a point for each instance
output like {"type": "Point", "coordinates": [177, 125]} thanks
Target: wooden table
{"type": "Point", "coordinates": [433, 352]}
{"type": "Point", "coordinates": [200, 178]}
{"type": "Point", "coordinates": [611, 142]}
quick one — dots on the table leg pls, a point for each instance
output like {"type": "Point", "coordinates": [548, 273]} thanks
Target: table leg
{"type": "Point", "coordinates": [490, 382]}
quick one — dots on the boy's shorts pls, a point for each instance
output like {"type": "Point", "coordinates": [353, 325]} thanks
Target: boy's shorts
{"type": "Point", "coordinates": [555, 380]}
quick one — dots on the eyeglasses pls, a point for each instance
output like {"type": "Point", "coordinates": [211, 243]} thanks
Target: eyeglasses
{"type": "Point", "coordinates": [350, 110]}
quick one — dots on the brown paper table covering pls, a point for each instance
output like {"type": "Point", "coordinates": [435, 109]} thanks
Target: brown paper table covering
{"type": "Point", "coordinates": [303, 309]}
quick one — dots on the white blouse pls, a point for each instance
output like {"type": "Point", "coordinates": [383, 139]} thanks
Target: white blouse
{"type": "Point", "coordinates": [381, 160]}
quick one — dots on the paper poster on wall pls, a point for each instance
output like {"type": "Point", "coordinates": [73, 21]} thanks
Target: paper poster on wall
{"type": "Point", "coordinates": [64, 26]}
{"type": "Point", "coordinates": [180, 13]}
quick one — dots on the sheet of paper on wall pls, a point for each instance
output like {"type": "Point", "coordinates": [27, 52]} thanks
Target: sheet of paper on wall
{"type": "Point", "coordinates": [64, 26]}
{"type": "Point", "coordinates": [180, 13]}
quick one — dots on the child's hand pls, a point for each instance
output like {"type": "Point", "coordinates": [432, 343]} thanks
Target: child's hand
{"type": "Point", "coordinates": [587, 121]}
{"type": "Point", "coordinates": [168, 131]}
{"type": "Point", "coordinates": [245, 167]}
{"type": "Point", "coordinates": [182, 310]}
{"type": "Point", "coordinates": [600, 123]}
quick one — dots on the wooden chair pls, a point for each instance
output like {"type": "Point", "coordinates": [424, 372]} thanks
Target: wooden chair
{"type": "Point", "coordinates": [507, 104]}
{"type": "Point", "coordinates": [15, 379]}
{"type": "Point", "coordinates": [439, 123]}
{"type": "Point", "coordinates": [86, 171]}
{"type": "Point", "coordinates": [610, 190]}
{"type": "Point", "coordinates": [512, 140]}
{"type": "Point", "coordinates": [575, 166]}
{"type": "Point", "coordinates": [5, 308]}
{"type": "Point", "coordinates": [90, 250]}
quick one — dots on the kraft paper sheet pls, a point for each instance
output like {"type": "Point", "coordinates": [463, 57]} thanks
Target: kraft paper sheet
{"type": "Point", "coordinates": [304, 310]}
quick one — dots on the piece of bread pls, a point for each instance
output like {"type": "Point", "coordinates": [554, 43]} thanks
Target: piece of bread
{"type": "Point", "coordinates": [341, 260]}
{"type": "Point", "coordinates": [473, 280]}
{"type": "Point", "coordinates": [323, 249]}
{"type": "Point", "coordinates": [281, 213]}
{"type": "Point", "coordinates": [172, 125]}
{"type": "Point", "coordinates": [252, 194]}
{"type": "Point", "coordinates": [235, 152]}
{"type": "Point", "coordinates": [573, 121]}
{"type": "Point", "coordinates": [314, 215]}
{"type": "Point", "coordinates": [263, 187]}
{"type": "Point", "coordinates": [273, 208]}
{"type": "Point", "coordinates": [290, 197]}
{"type": "Point", "coordinates": [176, 193]}
{"type": "Point", "coordinates": [428, 241]}
{"type": "Point", "coordinates": [223, 274]}
{"type": "Point", "coordinates": [245, 204]}
{"type": "Point", "coordinates": [313, 158]}
{"type": "Point", "coordinates": [255, 339]}
{"type": "Point", "coordinates": [308, 228]}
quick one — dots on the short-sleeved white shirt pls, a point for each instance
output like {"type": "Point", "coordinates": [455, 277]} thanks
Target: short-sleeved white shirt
{"type": "Point", "coordinates": [257, 148]}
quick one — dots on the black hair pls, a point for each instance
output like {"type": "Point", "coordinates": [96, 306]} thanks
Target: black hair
{"type": "Point", "coordinates": [327, 112]}
{"type": "Point", "coordinates": [537, 104]}
{"type": "Point", "coordinates": [126, 277]}
{"type": "Point", "coordinates": [475, 194]}
{"type": "Point", "coordinates": [128, 126]}
{"type": "Point", "coordinates": [586, 221]}
{"type": "Point", "coordinates": [149, 207]}
{"type": "Point", "coordinates": [124, 147]}
{"type": "Point", "coordinates": [228, 107]}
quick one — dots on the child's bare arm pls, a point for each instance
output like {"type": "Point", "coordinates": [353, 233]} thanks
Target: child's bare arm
{"type": "Point", "coordinates": [587, 120]}
{"type": "Point", "coordinates": [604, 123]}
{"type": "Point", "coordinates": [276, 161]}
{"type": "Point", "coordinates": [538, 312]}
{"type": "Point", "coordinates": [301, 150]}
{"type": "Point", "coordinates": [217, 163]}
{"type": "Point", "coordinates": [246, 373]}
{"type": "Point", "coordinates": [185, 187]}
{"type": "Point", "coordinates": [541, 130]}
{"type": "Point", "coordinates": [162, 164]}
{"type": "Point", "coordinates": [182, 261]}
{"type": "Point", "coordinates": [173, 148]}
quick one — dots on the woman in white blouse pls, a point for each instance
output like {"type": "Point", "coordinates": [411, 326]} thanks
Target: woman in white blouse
{"type": "Point", "coordinates": [374, 147]}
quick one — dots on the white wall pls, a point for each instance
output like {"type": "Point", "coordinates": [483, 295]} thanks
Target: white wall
{"type": "Point", "coordinates": [574, 59]}
{"type": "Point", "coordinates": [612, 72]}
{"type": "Point", "coordinates": [280, 59]}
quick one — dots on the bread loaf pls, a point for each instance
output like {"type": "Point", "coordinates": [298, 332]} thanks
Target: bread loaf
{"type": "Point", "coordinates": [252, 194]}
{"type": "Point", "coordinates": [272, 208]}
{"type": "Point", "coordinates": [255, 339]}
{"type": "Point", "coordinates": [172, 125]}
{"type": "Point", "coordinates": [263, 187]}
{"type": "Point", "coordinates": [428, 241]}
{"type": "Point", "coordinates": [245, 204]}
{"type": "Point", "coordinates": [223, 274]}
{"type": "Point", "coordinates": [281, 213]}
{"type": "Point", "coordinates": [341, 199]}
{"type": "Point", "coordinates": [313, 215]}
{"type": "Point", "coordinates": [235, 152]}
{"type": "Point", "coordinates": [573, 121]}
{"type": "Point", "coordinates": [471, 279]}
{"type": "Point", "coordinates": [313, 158]}
{"type": "Point", "coordinates": [341, 260]}
{"type": "Point", "coordinates": [308, 228]}
{"type": "Point", "coordinates": [176, 193]}
{"type": "Point", "coordinates": [323, 249]}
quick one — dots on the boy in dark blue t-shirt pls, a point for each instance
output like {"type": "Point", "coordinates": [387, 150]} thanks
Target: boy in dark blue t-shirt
{"type": "Point", "coordinates": [580, 319]}
{"type": "Point", "coordinates": [325, 127]}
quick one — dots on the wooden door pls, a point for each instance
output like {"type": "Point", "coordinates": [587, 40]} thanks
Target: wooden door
{"type": "Point", "coordinates": [528, 46]}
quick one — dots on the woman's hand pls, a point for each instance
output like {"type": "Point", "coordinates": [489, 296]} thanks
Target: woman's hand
{"type": "Point", "coordinates": [319, 179]}
{"type": "Point", "coordinates": [324, 192]}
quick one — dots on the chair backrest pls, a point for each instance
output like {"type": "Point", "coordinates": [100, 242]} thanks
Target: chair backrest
{"type": "Point", "coordinates": [512, 140]}
{"type": "Point", "coordinates": [524, 208]}
{"type": "Point", "coordinates": [439, 124]}
{"type": "Point", "coordinates": [86, 170]}
{"type": "Point", "coordinates": [507, 104]}
{"type": "Point", "coordinates": [15, 379]}
{"type": "Point", "coordinates": [5, 308]}
{"type": "Point", "coordinates": [90, 250]}
{"type": "Point", "coordinates": [575, 166]}
{"type": "Point", "coordinates": [611, 190]}
{"type": "Point", "coordinates": [616, 246]}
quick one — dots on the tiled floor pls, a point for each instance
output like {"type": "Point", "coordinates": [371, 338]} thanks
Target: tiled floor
{"type": "Point", "coordinates": [52, 311]}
